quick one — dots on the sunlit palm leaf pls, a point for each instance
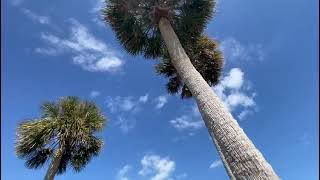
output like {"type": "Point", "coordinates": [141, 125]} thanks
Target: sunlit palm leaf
{"type": "Point", "coordinates": [70, 123]}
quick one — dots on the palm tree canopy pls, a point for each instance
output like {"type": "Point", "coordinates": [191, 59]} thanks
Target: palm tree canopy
{"type": "Point", "coordinates": [206, 58]}
{"type": "Point", "coordinates": [69, 122]}
{"type": "Point", "coordinates": [135, 22]}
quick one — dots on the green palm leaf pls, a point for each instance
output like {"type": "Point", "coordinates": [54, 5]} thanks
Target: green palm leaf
{"type": "Point", "coordinates": [69, 123]}
{"type": "Point", "coordinates": [135, 22]}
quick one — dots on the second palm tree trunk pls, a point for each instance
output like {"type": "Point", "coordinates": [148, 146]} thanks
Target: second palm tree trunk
{"type": "Point", "coordinates": [54, 166]}
{"type": "Point", "coordinates": [241, 158]}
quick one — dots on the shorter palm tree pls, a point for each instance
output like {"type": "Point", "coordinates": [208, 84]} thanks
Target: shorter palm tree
{"type": "Point", "coordinates": [63, 134]}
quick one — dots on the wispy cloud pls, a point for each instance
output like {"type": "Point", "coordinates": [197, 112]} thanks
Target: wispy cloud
{"type": "Point", "coordinates": [186, 123]}
{"type": "Point", "coordinates": [96, 12]}
{"type": "Point", "coordinates": [235, 93]}
{"type": "Point", "coordinates": [125, 124]}
{"type": "Point", "coordinates": [98, 5]}
{"type": "Point", "coordinates": [125, 104]}
{"type": "Point", "coordinates": [156, 167]}
{"type": "Point", "coordinates": [35, 17]}
{"type": "Point", "coordinates": [126, 108]}
{"type": "Point", "coordinates": [234, 51]}
{"type": "Point", "coordinates": [161, 101]}
{"type": "Point", "coordinates": [144, 98]}
{"type": "Point", "coordinates": [216, 164]}
{"type": "Point", "coordinates": [87, 51]}
{"type": "Point", "coordinates": [123, 173]}
{"type": "Point", "coordinates": [182, 176]}
{"type": "Point", "coordinates": [189, 121]}
{"type": "Point", "coordinates": [94, 94]}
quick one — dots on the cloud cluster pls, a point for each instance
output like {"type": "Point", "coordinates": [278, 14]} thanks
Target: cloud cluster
{"type": "Point", "coordinates": [190, 120]}
{"type": "Point", "coordinates": [153, 167]}
{"type": "Point", "coordinates": [96, 12]}
{"type": "Point", "coordinates": [35, 17]}
{"type": "Point", "coordinates": [233, 90]}
{"type": "Point", "coordinates": [156, 167]}
{"type": "Point", "coordinates": [127, 107]}
{"type": "Point", "coordinates": [235, 93]}
{"type": "Point", "coordinates": [161, 101]}
{"type": "Point", "coordinates": [126, 104]}
{"type": "Point", "coordinates": [234, 51]}
{"type": "Point", "coordinates": [123, 173]}
{"type": "Point", "coordinates": [88, 52]}
{"type": "Point", "coordinates": [186, 123]}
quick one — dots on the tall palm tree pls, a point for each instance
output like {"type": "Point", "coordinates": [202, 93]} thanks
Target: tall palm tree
{"type": "Point", "coordinates": [148, 27]}
{"type": "Point", "coordinates": [64, 133]}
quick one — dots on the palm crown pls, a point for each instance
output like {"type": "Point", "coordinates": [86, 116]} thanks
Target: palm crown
{"type": "Point", "coordinates": [205, 57]}
{"type": "Point", "coordinates": [135, 22]}
{"type": "Point", "coordinates": [69, 123]}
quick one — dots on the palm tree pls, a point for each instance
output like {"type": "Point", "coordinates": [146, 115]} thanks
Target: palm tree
{"type": "Point", "coordinates": [147, 27]}
{"type": "Point", "coordinates": [64, 133]}
{"type": "Point", "coordinates": [205, 57]}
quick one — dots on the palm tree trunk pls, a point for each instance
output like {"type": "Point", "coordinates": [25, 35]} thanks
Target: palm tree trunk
{"type": "Point", "coordinates": [241, 158]}
{"type": "Point", "coordinates": [53, 168]}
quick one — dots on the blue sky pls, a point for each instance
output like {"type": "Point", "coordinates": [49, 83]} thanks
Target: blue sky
{"type": "Point", "coordinates": [270, 83]}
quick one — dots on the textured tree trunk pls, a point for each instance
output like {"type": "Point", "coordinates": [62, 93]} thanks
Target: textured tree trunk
{"type": "Point", "coordinates": [241, 158]}
{"type": "Point", "coordinates": [53, 168]}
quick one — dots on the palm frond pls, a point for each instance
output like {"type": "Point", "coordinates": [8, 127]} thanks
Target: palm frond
{"type": "Point", "coordinates": [135, 28]}
{"type": "Point", "coordinates": [83, 154]}
{"type": "Point", "coordinates": [69, 123]}
{"type": "Point", "coordinates": [38, 158]}
{"type": "Point", "coordinates": [33, 136]}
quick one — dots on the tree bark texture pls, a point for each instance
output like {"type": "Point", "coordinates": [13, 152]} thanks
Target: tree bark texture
{"type": "Point", "coordinates": [53, 168]}
{"type": "Point", "coordinates": [241, 158]}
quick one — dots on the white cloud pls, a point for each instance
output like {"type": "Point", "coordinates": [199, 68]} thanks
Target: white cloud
{"type": "Point", "coordinates": [243, 114]}
{"type": "Point", "coordinates": [234, 80]}
{"type": "Point", "coordinates": [35, 17]}
{"type": "Point", "coordinates": [182, 176]}
{"type": "Point", "coordinates": [236, 99]}
{"type": "Point", "coordinates": [156, 167]}
{"type": "Point", "coordinates": [235, 93]}
{"type": "Point", "coordinates": [187, 123]}
{"type": "Point", "coordinates": [126, 104]}
{"type": "Point", "coordinates": [125, 124]}
{"type": "Point", "coordinates": [234, 51]}
{"type": "Point", "coordinates": [88, 52]}
{"type": "Point", "coordinates": [47, 51]}
{"type": "Point", "coordinates": [94, 94]}
{"type": "Point", "coordinates": [161, 101]}
{"type": "Point", "coordinates": [96, 12]}
{"type": "Point", "coordinates": [97, 6]}
{"type": "Point", "coordinates": [144, 98]}
{"type": "Point", "coordinates": [123, 173]}
{"type": "Point", "coordinates": [215, 164]}
{"type": "Point", "coordinates": [126, 108]}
